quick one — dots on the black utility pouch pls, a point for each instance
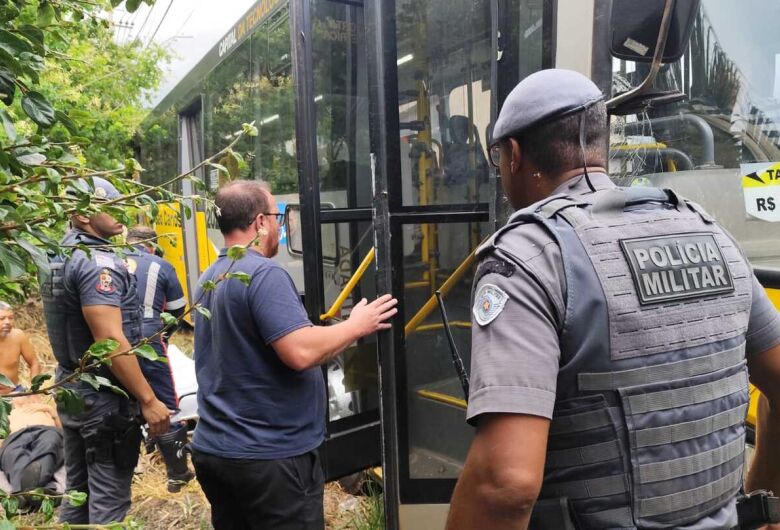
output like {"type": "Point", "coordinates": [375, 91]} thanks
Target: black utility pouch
{"type": "Point", "coordinates": [757, 509]}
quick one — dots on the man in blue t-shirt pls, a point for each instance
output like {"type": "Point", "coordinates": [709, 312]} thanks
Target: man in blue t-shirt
{"type": "Point", "coordinates": [261, 393]}
{"type": "Point", "coordinates": [159, 291]}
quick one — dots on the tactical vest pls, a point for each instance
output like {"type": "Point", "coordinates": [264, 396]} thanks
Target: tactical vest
{"type": "Point", "coordinates": [652, 391]}
{"type": "Point", "coordinates": [69, 332]}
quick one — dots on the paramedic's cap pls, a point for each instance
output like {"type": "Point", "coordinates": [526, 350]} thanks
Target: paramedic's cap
{"type": "Point", "coordinates": [100, 188]}
{"type": "Point", "coordinates": [544, 95]}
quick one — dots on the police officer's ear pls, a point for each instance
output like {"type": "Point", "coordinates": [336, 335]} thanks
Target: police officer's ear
{"type": "Point", "coordinates": [79, 220]}
{"type": "Point", "coordinates": [515, 155]}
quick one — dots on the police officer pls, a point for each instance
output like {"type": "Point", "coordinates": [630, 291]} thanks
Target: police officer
{"type": "Point", "coordinates": [613, 331]}
{"type": "Point", "coordinates": [88, 297]}
{"type": "Point", "coordinates": [159, 290]}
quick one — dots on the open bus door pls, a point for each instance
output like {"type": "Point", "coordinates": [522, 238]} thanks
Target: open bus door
{"type": "Point", "coordinates": [332, 227]}
{"type": "Point", "coordinates": [435, 83]}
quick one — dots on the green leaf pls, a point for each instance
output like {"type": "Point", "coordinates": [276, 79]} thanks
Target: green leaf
{"type": "Point", "coordinates": [168, 319]}
{"type": "Point", "coordinates": [249, 129]}
{"type": "Point", "coordinates": [209, 285]}
{"type": "Point", "coordinates": [236, 252]}
{"type": "Point", "coordinates": [90, 380]}
{"type": "Point", "coordinates": [6, 382]}
{"type": "Point", "coordinates": [66, 122]}
{"type": "Point", "coordinates": [38, 381]}
{"type": "Point", "coordinates": [203, 311]}
{"type": "Point", "coordinates": [38, 108]}
{"type": "Point", "coordinates": [45, 14]}
{"type": "Point", "coordinates": [10, 505]}
{"type": "Point", "coordinates": [13, 44]}
{"type": "Point", "coordinates": [240, 276]}
{"type": "Point", "coordinates": [76, 498]}
{"type": "Point", "coordinates": [71, 401]}
{"type": "Point", "coordinates": [47, 508]}
{"type": "Point", "coordinates": [13, 265]}
{"type": "Point", "coordinates": [102, 348]}
{"type": "Point", "coordinates": [35, 36]}
{"type": "Point", "coordinates": [116, 390]}
{"type": "Point", "coordinates": [5, 524]}
{"type": "Point", "coordinates": [132, 5]}
{"type": "Point", "coordinates": [219, 167]}
{"type": "Point", "coordinates": [5, 410]}
{"type": "Point", "coordinates": [7, 87]}
{"type": "Point", "coordinates": [147, 352]}
{"type": "Point", "coordinates": [8, 125]}
{"type": "Point", "coordinates": [36, 253]}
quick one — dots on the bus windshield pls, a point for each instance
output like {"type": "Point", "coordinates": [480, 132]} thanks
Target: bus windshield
{"type": "Point", "coordinates": [725, 126]}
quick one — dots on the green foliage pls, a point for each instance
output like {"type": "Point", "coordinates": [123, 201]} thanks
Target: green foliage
{"type": "Point", "coordinates": [71, 98]}
{"type": "Point", "coordinates": [236, 252]}
{"type": "Point", "coordinates": [76, 498]}
{"type": "Point", "coordinates": [203, 311]}
{"type": "Point", "coordinates": [240, 276]}
{"type": "Point", "coordinates": [5, 410]}
{"type": "Point", "coordinates": [148, 352]}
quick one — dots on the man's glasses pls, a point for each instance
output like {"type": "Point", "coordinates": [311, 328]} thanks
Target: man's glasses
{"type": "Point", "coordinates": [278, 216]}
{"type": "Point", "coordinates": [495, 155]}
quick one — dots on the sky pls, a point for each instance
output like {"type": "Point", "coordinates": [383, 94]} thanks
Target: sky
{"type": "Point", "coordinates": [189, 28]}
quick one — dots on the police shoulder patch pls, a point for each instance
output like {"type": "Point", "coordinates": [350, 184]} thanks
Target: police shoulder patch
{"type": "Point", "coordinates": [488, 303]}
{"type": "Point", "coordinates": [105, 282]}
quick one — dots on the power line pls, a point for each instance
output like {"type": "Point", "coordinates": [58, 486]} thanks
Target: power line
{"type": "Point", "coordinates": [160, 24]}
{"type": "Point", "coordinates": [143, 24]}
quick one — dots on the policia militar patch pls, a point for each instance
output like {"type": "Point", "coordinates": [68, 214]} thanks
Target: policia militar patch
{"type": "Point", "coordinates": [676, 267]}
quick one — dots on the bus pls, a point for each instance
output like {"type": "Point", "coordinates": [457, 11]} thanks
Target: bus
{"type": "Point", "coordinates": [374, 119]}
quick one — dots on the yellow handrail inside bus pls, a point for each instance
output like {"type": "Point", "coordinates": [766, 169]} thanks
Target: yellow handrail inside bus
{"type": "Point", "coordinates": [448, 284]}
{"type": "Point", "coordinates": [462, 324]}
{"type": "Point", "coordinates": [443, 398]}
{"type": "Point", "coordinates": [339, 301]}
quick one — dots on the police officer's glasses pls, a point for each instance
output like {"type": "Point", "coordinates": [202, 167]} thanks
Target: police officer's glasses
{"type": "Point", "coordinates": [495, 155]}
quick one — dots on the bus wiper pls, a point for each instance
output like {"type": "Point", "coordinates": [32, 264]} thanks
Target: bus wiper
{"type": "Point", "coordinates": [457, 360]}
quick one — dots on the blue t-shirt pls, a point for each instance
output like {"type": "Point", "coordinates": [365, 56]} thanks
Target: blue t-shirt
{"type": "Point", "coordinates": [251, 404]}
{"type": "Point", "coordinates": [158, 288]}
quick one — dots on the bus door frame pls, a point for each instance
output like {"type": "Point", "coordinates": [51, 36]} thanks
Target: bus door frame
{"type": "Point", "coordinates": [352, 443]}
{"type": "Point", "coordinates": [190, 154]}
{"type": "Point", "coordinates": [390, 215]}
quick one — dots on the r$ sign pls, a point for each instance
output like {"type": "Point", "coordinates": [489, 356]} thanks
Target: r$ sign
{"type": "Point", "coordinates": [761, 188]}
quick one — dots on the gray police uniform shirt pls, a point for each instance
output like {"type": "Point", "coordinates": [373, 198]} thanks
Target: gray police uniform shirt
{"type": "Point", "coordinates": [515, 348]}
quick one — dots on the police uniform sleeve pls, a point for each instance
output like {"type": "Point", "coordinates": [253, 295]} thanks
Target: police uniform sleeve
{"type": "Point", "coordinates": [764, 325]}
{"type": "Point", "coordinates": [515, 351]}
{"type": "Point", "coordinates": [174, 294]}
{"type": "Point", "coordinates": [275, 303]}
{"type": "Point", "coordinates": [100, 279]}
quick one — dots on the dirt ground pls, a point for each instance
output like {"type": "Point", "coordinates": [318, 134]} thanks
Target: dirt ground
{"type": "Point", "coordinates": [188, 509]}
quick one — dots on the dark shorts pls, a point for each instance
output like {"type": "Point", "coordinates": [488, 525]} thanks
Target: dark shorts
{"type": "Point", "coordinates": [160, 378]}
{"type": "Point", "coordinates": [284, 494]}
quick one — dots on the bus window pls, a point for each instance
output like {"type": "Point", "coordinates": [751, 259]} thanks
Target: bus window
{"type": "Point", "coordinates": [444, 100]}
{"type": "Point", "coordinates": [273, 158]}
{"type": "Point", "coordinates": [158, 147]}
{"type": "Point", "coordinates": [228, 103]}
{"type": "Point", "coordinates": [727, 122]}
{"type": "Point", "coordinates": [341, 100]}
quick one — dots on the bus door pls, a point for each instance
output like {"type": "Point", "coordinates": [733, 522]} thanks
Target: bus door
{"type": "Point", "coordinates": [192, 253]}
{"type": "Point", "coordinates": [332, 227]}
{"type": "Point", "coordinates": [438, 71]}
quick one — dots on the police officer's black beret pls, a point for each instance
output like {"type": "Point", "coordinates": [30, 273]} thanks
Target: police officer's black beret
{"type": "Point", "coordinates": [544, 95]}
